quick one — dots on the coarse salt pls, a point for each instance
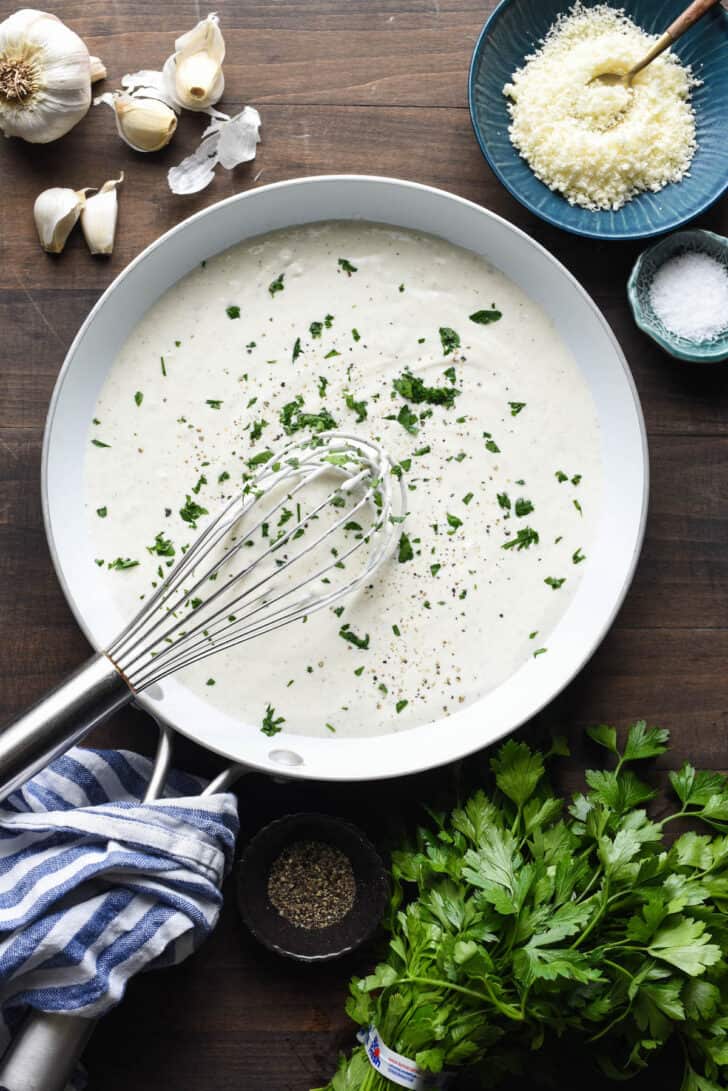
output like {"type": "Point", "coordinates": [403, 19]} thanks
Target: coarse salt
{"type": "Point", "coordinates": [689, 295]}
{"type": "Point", "coordinates": [599, 145]}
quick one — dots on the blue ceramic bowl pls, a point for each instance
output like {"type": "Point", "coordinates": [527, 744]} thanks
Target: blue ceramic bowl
{"type": "Point", "coordinates": [511, 33]}
{"type": "Point", "coordinates": [638, 291]}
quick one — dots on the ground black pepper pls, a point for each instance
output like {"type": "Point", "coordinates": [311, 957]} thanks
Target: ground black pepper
{"type": "Point", "coordinates": [312, 884]}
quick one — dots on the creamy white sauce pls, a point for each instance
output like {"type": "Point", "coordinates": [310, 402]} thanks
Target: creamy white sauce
{"type": "Point", "coordinates": [464, 629]}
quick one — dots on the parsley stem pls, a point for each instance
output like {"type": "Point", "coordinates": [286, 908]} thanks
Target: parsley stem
{"type": "Point", "coordinates": [595, 919]}
{"type": "Point", "coordinates": [504, 1009]}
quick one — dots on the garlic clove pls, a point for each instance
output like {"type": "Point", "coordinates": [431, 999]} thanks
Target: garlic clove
{"type": "Point", "coordinates": [99, 215]}
{"type": "Point", "coordinates": [145, 124]}
{"type": "Point", "coordinates": [55, 212]}
{"type": "Point", "coordinates": [149, 83]}
{"type": "Point", "coordinates": [193, 74]}
{"type": "Point", "coordinates": [45, 77]}
{"type": "Point", "coordinates": [97, 68]}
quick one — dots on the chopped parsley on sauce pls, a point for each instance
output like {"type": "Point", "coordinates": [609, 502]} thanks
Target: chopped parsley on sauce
{"type": "Point", "coordinates": [161, 546]}
{"type": "Point", "coordinates": [277, 284]}
{"type": "Point", "coordinates": [524, 539]}
{"type": "Point", "coordinates": [122, 563]}
{"type": "Point", "coordinates": [401, 705]}
{"type": "Point", "coordinates": [98, 443]}
{"type": "Point", "coordinates": [361, 642]}
{"type": "Point", "coordinates": [523, 507]}
{"type": "Point", "coordinates": [485, 317]}
{"type": "Point", "coordinates": [577, 557]}
{"type": "Point", "coordinates": [232, 312]}
{"type": "Point", "coordinates": [191, 511]}
{"type": "Point", "coordinates": [293, 418]}
{"type": "Point", "coordinates": [315, 329]}
{"type": "Point", "coordinates": [260, 459]}
{"type": "Point", "coordinates": [405, 551]}
{"type": "Point", "coordinates": [555, 583]}
{"type": "Point", "coordinates": [355, 334]}
{"type": "Point", "coordinates": [516, 408]}
{"type": "Point", "coordinates": [449, 339]}
{"type": "Point", "coordinates": [414, 389]}
{"type": "Point", "coordinates": [358, 407]}
{"type": "Point", "coordinates": [214, 403]}
{"type": "Point", "coordinates": [256, 429]}
{"type": "Point", "coordinates": [297, 350]}
{"type": "Point", "coordinates": [102, 512]}
{"type": "Point", "coordinates": [407, 419]}
{"type": "Point", "coordinates": [271, 723]}
{"type": "Point", "coordinates": [346, 266]}
{"type": "Point", "coordinates": [138, 398]}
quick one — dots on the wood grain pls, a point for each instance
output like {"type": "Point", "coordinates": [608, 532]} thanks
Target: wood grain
{"type": "Point", "coordinates": [364, 86]}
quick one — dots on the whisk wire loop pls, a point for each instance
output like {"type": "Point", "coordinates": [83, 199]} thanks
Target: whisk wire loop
{"type": "Point", "coordinates": [181, 624]}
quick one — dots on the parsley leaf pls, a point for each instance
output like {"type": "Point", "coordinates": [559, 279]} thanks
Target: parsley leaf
{"type": "Point", "coordinates": [271, 723]}
{"type": "Point", "coordinates": [449, 339]}
{"type": "Point", "coordinates": [413, 389]}
{"type": "Point", "coordinates": [405, 551]}
{"type": "Point", "coordinates": [524, 539]}
{"type": "Point", "coordinates": [191, 511]}
{"type": "Point", "coordinates": [277, 284]}
{"type": "Point", "coordinates": [484, 318]}
{"type": "Point", "coordinates": [358, 407]}
{"type": "Point", "coordinates": [293, 418]}
{"type": "Point", "coordinates": [232, 312]}
{"type": "Point", "coordinates": [346, 633]}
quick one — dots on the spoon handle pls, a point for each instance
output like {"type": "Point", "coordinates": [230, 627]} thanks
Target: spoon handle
{"type": "Point", "coordinates": [691, 15]}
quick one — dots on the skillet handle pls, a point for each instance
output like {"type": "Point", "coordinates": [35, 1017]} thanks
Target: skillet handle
{"type": "Point", "coordinates": [45, 1052]}
{"type": "Point", "coordinates": [60, 719]}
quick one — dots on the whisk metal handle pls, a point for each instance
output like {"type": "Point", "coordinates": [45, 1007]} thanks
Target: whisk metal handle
{"type": "Point", "coordinates": [61, 718]}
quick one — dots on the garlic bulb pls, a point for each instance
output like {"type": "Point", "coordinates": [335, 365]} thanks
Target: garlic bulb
{"type": "Point", "coordinates": [145, 124]}
{"type": "Point", "coordinates": [193, 74]}
{"type": "Point", "coordinates": [56, 212]}
{"type": "Point", "coordinates": [45, 77]}
{"type": "Point", "coordinates": [98, 217]}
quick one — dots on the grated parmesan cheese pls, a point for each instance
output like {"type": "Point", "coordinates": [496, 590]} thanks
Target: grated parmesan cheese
{"type": "Point", "coordinates": [597, 145]}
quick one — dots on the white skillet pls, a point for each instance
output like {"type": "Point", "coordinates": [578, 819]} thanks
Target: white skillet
{"type": "Point", "coordinates": [612, 558]}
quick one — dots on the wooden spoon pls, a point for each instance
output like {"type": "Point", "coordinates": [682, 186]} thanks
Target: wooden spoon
{"type": "Point", "coordinates": [692, 13]}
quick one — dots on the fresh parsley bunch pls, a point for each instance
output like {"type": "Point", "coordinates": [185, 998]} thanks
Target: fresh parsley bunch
{"type": "Point", "coordinates": [517, 918]}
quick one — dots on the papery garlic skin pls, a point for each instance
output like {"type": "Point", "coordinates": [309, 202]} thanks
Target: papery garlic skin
{"type": "Point", "coordinates": [55, 213]}
{"type": "Point", "coordinates": [193, 74]}
{"type": "Point", "coordinates": [226, 140]}
{"type": "Point", "coordinates": [145, 124]}
{"type": "Point", "coordinates": [99, 216]}
{"type": "Point", "coordinates": [45, 77]}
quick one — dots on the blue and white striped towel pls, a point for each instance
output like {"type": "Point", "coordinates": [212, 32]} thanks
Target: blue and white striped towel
{"type": "Point", "coordinates": [95, 886]}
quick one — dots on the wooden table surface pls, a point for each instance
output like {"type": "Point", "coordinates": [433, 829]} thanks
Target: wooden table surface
{"type": "Point", "coordinates": [368, 86]}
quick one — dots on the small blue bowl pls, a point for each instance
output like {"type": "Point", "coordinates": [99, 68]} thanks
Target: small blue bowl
{"type": "Point", "coordinates": [638, 291]}
{"type": "Point", "coordinates": [513, 31]}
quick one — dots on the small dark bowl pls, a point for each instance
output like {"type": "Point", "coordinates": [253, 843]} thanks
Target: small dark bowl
{"type": "Point", "coordinates": [319, 944]}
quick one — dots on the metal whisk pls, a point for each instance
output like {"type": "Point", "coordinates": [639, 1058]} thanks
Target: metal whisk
{"type": "Point", "coordinates": [310, 527]}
